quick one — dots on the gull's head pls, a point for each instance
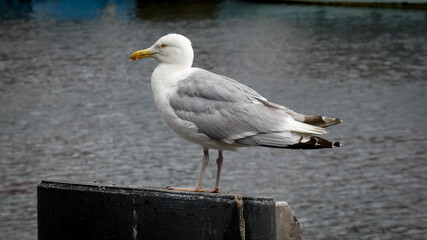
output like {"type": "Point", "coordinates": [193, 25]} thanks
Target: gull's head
{"type": "Point", "coordinates": [172, 49]}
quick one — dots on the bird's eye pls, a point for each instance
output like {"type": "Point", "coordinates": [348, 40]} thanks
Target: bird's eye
{"type": "Point", "coordinates": [163, 46]}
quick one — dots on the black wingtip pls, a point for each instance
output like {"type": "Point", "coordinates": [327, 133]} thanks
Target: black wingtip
{"type": "Point", "coordinates": [314, 143]}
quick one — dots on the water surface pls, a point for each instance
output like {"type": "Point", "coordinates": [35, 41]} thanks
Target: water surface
{"type": "Point", "coordinates": [74, 107]}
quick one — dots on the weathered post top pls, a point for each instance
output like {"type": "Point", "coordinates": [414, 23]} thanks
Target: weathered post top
{"type": "Point", "coordinates": [84, 210]}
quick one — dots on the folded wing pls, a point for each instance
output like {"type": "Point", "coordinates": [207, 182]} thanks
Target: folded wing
{"type": "Point", "coordinates": [228, 111]}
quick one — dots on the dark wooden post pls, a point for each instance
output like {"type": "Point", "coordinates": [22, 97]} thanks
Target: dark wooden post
{"type": "Point", "coordinates": [68, 210]}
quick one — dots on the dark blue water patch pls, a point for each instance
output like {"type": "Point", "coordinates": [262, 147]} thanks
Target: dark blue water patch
{"type": "Point", "coordinates": [64, 9]}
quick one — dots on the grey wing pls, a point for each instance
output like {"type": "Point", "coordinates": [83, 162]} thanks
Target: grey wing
{"type": "Point", "coordinates": [227, 110]}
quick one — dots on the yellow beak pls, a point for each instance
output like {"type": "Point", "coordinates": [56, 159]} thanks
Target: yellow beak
{"type": "Point", "coordinates": [140, 54]}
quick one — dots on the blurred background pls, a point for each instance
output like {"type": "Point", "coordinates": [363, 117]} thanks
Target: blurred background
{"type": "Point", "coordinates": [73, 107]}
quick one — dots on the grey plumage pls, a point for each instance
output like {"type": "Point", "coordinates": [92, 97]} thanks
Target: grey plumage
{"type": "Point", "coordinates": [228, 111]}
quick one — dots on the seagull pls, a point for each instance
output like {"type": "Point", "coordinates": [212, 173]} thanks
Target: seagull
{"type": "Point", "coordinates": [217, 112]}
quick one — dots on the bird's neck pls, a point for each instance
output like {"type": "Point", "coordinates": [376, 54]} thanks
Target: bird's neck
{"type": "Point", "coordinates": [167, 75]}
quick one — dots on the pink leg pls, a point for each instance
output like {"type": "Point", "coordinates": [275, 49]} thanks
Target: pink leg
{"type": "Point", "coordinates": [218, 170]}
